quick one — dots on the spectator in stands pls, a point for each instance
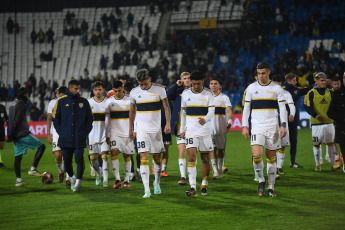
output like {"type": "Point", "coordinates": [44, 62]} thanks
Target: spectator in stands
{"type": "Point", "coordinates": [122, 39]}
{"type": "Point", "coordinates": [43, 56]}
{"type": "Point", "coordinates": [152, 9]}
{"type": "Point", "coordinates": [140, 28]}
{"type": "Point", "coordinates": [3, 93]}
{"type": "Point", "coordinates": [10, 25]}
{"type": "Point", "coordinates": [50, 36]}
{"type": "Point", "coordinates": [147, 30]}
{"type": "Point", "coordinates": [104, 20]}
{"type": "Point", "coordinates": [98, 27]}
{"type": "Point", "coordinates": [33, 36]}
{"type": "Point", "coordinates": [34, 112]}
{"type": "Point", "coordinates": [69, 17]}
{"type": "Point", "coordinates": [33, 82]}
{"type": "Point", "coordinates": [16, 27]}
{"type": "Point", "coordinates": [130, 19]}
{"type": "Point", "coordinates": [113, 23]}
{"type": "Point", "coordinates": [84, 26]}
{"type": "Point", "coordinates": [116, 60]}
{"type": "Point", "coordinates": [10, 93]}
{"type": "Point", "coordinates": [41, 36]}
{"type": "Point", "coordinates": [106, 35]}
{"type": "Point", "coordinates": [118, 11]}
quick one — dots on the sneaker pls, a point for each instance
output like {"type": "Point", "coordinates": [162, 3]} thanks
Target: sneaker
{"type": "Point", "coordinates": [280, 171]}
{"type": "Point", "coordinates": [344, 168]}
{"type": "Point", "coordinates": [20, 184]}
{"type": "Point", "coordinates": [337, 163]}
{"type": "Point", "coordinates": [157, 188]}
{"type": "Point", "coordinates": [335, 167]}
{"type": "Point", "coordinates": [147, 195]}
{"type": "Point", "coordinates": [117, 184]}
{"type": "Point", "coordinates": [341, 157]}
{"type": "Point", "coordinates": [271, 193]}
{"type": "Point", "coordinates": [72, 183]}
{"type": "Point", "coordinates": [183, 181]}
{"type": "Point", "coordinates": [295, 165]}
{"type": "Point", "coordinates": [327, 158]}
{"type": "Point", "coordinates": [191, 192]}
{"type": "Point", "coordinates": [93, 172]}
{"type": "Point", "coordinates": [35, 173]}
{"type": "Point", "coordinates": [126, 184]}
{"type": "Point", "coordinates": [153, 169]}
{"type": "Point", "coordinates": [215, 175]}
{"type": "Point", "coordinates": [204, 192]}
{"type": "Point", "coordinates": [105, 185]}
{"type": "Point", "coordinates": [164, 173]}
{"type": "Point", "coordinates": [2, 165]}
{"type": "Point", "coordinates": [256, 179]}
{"type": "Point", "coordinates": [321, 161]}
{"type": "Point", "coordinates": [225, 169]}
{"type": "Point", "coordinates": [61, 177]}
{"type": "Point", "coordinates": [76, 189]}
{"type": "Point", "coordinates": [220, 174]}
{"type": "Point", "coordinates": [98, 180]}
{"type": "Point", "coordinates": [68, 183]}
{"type": "Point", "coordinates": [131, 177]}
{"type": "Point", "coordinates": [277, 176]}
{"type": "Point", "coordinates": [318, 168]}
{"type": "Point", "coordinates": [261, 188]}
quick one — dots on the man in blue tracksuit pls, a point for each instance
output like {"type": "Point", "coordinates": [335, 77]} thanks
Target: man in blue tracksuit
{"type": "Point", "coordinates": [72, 117]}
{"type": "Point", "coordinates": [290, 86]}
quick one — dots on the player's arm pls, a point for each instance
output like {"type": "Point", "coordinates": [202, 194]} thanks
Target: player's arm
{"type": "Point", "coordinates": [282, 113]}
{"type": "Point", "coordinates": [210, 113]}
{"type": "Point", "coordinates": [57, 117]}
{"type": "Point", "coordinates": [183, 118]}
{"type": "Point", "coordinates": [246, 112]}
{"type": "Point", "coordinates": [132, 113]}
{"type": "Point", "coordinates": [167, 128]}
{"type": "Point", "coordinates": [49, 124]}
{"type": "Point", "coordinates": [172, 91]}
{"type": "Point", "coordinates": [107, 124]}
{"type": "Point", "coordinates": [231, 115]}
{"type": "Point", "coordinates": [291, 105]}
{"type": "Point", "coordinates": [309, 106]}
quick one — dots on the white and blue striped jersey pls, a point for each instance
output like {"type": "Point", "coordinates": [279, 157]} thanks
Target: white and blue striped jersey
{"type": "Point", "coordinates": [97, 134]}
{"type": "Point", "coordinates": [220, 119]}
{"type": "Point", "coordinates": [148, 104]}
{"type": "Point", "coordinates": [117, 110]}
{"type": "Point", "coordinates": [50, 111]}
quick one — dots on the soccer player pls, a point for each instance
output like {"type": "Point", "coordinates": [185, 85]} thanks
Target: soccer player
{"type": "Point", "coordinates": [18, 131]}
{"type": "Point", "coordinates": [97, 137]}
{"type": "Point", "coordinates": [197, 104]}
{"type": "Point", "coordinates": [290, 85]}
{"type": "Point", "coordinates": [291, 110]}
{"type": "Point", "coordinates": [117, 110]}
{"type": "Point", "coordinates": [316, 103]}
{"type": "Point", "coordinates": [3, 119]}
{"type": "Point", "coordinates": [72, 118]}
{"type": "Point", "coordinates": [263, 99]}
{"type": "Point", "coordinates": [220, 124]}
{"type": "Point", "coordinates": [174, 94]}
{"type": "Point", "coordinates": [53, 137]}
{"type": "Point", "coordinates": [145, 108]}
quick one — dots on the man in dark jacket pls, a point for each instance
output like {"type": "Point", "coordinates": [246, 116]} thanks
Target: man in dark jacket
{"type": "Point", "coordinates": [72, 117]}
{"type": "Point", "coordinates": [18, 131]}
{"type": "Point", "coordinates": [3, 119]}
{"type": "Point", "coordinates": [336, 112]}
{"type": "Point", "coordinates": [290, 86]}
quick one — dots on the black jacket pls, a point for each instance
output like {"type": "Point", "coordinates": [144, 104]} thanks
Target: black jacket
{"type": "Point", "coordinates": [336, 111]}
{"type": "Point", "coordinates": [72, 117]}
{"type": "Point", "coordinates": [18, 126]}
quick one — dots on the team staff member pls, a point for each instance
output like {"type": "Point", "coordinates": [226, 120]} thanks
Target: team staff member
{"type": "Point", "coordinates": [73, 119]}
{"type": "Point", "coordinates": [290, 85]}
{"type": "Point", "coordinates": [18, 131]}
{"type": "Point", "coordinates": [336, 112]}
{"type": "Point", "coordinates": [3, 119]}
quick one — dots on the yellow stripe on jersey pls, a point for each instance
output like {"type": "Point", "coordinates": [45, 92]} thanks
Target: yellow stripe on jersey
{"type": "Point", "coordinates": [142, 102]}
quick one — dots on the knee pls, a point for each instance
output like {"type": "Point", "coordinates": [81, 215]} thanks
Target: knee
{"type": "Point", "coordinates": [257, 160]}
{"type": "Point", "coordinates": [271, 160]}
{"type": "Point", "coordinates": [144, 161]}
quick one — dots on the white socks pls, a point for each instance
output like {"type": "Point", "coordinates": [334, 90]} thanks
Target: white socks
{"type": "Point", "coordinates": [317, 154]}
{"type": "Point", "coordinates": [115, 164]}
{"type": "Point", "coordinates": [182, 165]}
{"type": "Point", "coordinates": [105, 171]}
{"type": "Point", "coordinates": [157, 173]}
{"type": "Point", "coordinates": [145, 176]}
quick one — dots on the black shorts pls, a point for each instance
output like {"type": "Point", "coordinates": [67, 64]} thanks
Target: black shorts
{"type": "Point", "coordinates": [2, 134]}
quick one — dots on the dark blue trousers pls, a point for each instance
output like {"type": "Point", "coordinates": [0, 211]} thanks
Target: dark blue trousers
{"type": "Point", "coordinates": [67, 154]}
{"type": "Point", "coordinates": [293, 142]}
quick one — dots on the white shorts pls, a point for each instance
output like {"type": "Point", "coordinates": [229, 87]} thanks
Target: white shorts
{"type": "Point", "coordinates": [323, 134]}
{"type": "Point", "coordinates": [55, 142]}
{"type": "Point", "coordinates": [204, 144]}
{"type": "Point", "coordinates": [124, 144]}
{"type": "Point", "coordinates": [268, 138]}
{"type": "Point", "coordinates": [150, 142]}
{"type": "Point", "coordinates": [180, 141]}
{"type": "Point", "coordinates": [99, 148]}
{"type": "Point", "coordinates": [286, 140]}
{"type": "Point", "coordinates": [219, 141]}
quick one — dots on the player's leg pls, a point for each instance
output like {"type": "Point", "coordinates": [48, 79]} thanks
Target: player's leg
{"type": "Point", "coordinates": [94, 163]}
{"type": "Point", "coordinates": [128, 164]}
{"type": "Point", "coordinates": [165, 158]}
{"type": "Point", "coordinates": [329, 134]}
{"type": "Point", "coordinates": [316, 134]}
{"type": "Point", "coordinates": [19, 150]}
{"type": "Point", "coordinates": [105, 169]}
{"type": "Point", "coordinates": [158, 169]}
{"type": "Point", "coordinates": [214, 164]}
{"type": "Point", "coordinates": [2, 146]}
{"type": "Point", "coordinates": [205, 171]}
{"type": "Point", "coordinates": [32, 142]}
{"type": "Point", "coordinates": [67, 154]}
{"type": "Point", "coordinates": [59, 164]}
{"type": "Point", "coordinates": [192, 172]}
{"type": "Point", "coordinates": [259, 167]}
{"type": "Point", "coordinates": [132, 175]}
{"type": "Point", "coordinates": [220, 143]}
{"type": "Point", "coordinates": [342, 149]}
{"type": "Point", "coordinates": [280, 160]}
{"type": "Point", "coordinates": [79, 159]}
{"type": "Point", "coordinates": [271, 170]}
{"type": "Point", "coordinates": [116, 167]}
{"type": "Point", "coordinates": [220, 156]}
{"type": "Point", "coordinates": [181, 146]}
{"type": "Point", "coordinates": [145, 173]}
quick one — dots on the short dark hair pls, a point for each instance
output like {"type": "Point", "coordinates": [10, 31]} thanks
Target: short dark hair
{"type": "Point", "coordinates": [290, 76]}
{"type": "Point", "coordinates": [117, 84]}
{"type": "Point", "coordinates": [196, 76]}
{"type": "Point", "coordinates": [217, 79]}
{"type": "Point", "coordinates": [73, 82]}
{"type": "Point", "coordinates": [97, 84]}
{"type": "Point", "coordinates": [128, 86]}
{"type": "Point", "coordinates": [277, 78]}
{"type": "Point", "coordinates": [335, 79]}
{"type": "Point", "coordinates": [122, 77]}
{"type": "Point", "coordinates": [142, 75]}
{"type": "Point", "coordinates": [22, 91]}
{"type": "Point", "coordinates": [263, 65]}
{"type": "Point", "coordinates": [62, 89]}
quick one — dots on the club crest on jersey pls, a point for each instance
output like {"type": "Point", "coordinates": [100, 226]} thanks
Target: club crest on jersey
{"type": "Point", "coordinates": [81, 105]}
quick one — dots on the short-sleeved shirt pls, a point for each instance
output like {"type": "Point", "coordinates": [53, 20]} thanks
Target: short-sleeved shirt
{"type": "Point", "coordinates": [148, 103]}
{"type": "Point", "coordinates": [219, 121]}
{"type": "Point", "coordinates": [50, 112]}
{"type": "Point", "coordinates": [97, 134]}
{"type": "Point", "coordinates": [196, 106]}
{"type": "Point", "coordinates": [118, 110]}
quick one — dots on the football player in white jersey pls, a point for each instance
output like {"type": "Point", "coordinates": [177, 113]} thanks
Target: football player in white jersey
{"type": "Point", "coordinates": [53, 136]}
{"type": "Point", "coordinates": [290, 112]}
{"type": "Point", "coordinates": [220, 124]}
{"type": "Point", "coordinates": [117, 110]}
{"type": "Point", "coordinates": [263, 99]}
{"type": "Point", "coordinates": [145, 108]}
{"type": "Point", "coordinates": [97, 138]}
{"type": "Point", "coordinates": [197, 104]}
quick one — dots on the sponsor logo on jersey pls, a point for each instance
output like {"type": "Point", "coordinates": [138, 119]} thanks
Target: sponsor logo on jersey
{"type": "Point", "coordinates": [202, 99]}
{"type": "Point", "coordinates": [270, 92]}
{"type": "Point", "coordinates": [152, 95]}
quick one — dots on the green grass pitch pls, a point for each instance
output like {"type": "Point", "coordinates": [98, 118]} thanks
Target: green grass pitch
{"type": "Point", "coordinates": [306, 199]}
